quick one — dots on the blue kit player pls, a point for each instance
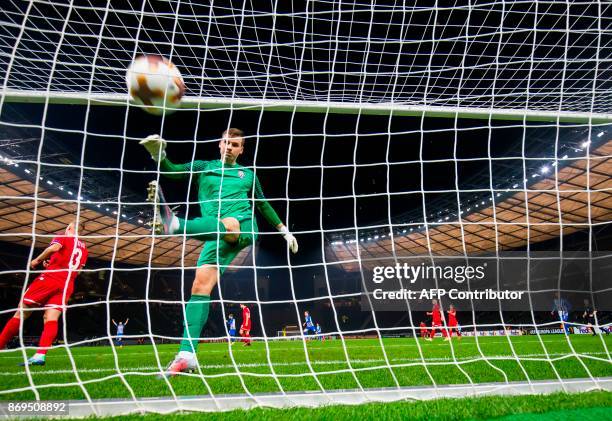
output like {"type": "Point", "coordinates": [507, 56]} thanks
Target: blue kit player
{"type": "Point", "coordinates": [308, 324]}
{"type": "Point", "coordinates": [120, 328]}
{"type": "Point", "coordinates": [231, 327]}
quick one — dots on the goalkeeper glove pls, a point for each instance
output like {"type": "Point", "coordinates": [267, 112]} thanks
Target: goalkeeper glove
{"type": "Point", "coordinates": [290, 239]}
{"type": "Point", "coordinates": [156, 146]}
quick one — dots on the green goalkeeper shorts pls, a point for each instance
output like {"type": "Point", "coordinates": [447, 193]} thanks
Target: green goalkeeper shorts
{"type": "Point", "coordinates": [221, 253]}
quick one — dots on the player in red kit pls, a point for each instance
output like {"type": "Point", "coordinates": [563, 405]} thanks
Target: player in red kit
{"type": "Point", "coordinates": [51, 290]}
{"type": "Point", "coordinates": [423, 328]}
{"type": "Point", "coordinates": [245, 328]}
{"type": "Point", "coordinates": [436, 320]}
{"type": "Point", "coordinates": [452, 324]}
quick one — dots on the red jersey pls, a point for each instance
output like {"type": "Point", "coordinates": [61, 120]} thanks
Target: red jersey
{"type": "Point", "coordinates": [66, 263]}
{"type": "Point", "coordinates": [246, 319]}
{"type": "Point", "coordinates": [436, 317]}
{"type": "Point", "coordinates": [452, 318]}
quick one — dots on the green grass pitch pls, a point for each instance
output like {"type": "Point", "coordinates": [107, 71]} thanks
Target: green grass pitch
{"type": "Point", "coordinates": [492, 359]}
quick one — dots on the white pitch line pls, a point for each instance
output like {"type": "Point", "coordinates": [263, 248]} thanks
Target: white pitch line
{"type": "Point", "coordinates": [155, 369]}
{"type": "Point", "coordinates": [129, 351]}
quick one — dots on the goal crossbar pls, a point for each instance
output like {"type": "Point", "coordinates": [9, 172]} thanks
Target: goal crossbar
{"type": "Point", "coordinates": [385, 108]}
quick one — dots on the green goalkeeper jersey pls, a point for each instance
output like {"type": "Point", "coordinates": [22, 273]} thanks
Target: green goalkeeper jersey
{"type": "Point", "coordinates": [224, 190]}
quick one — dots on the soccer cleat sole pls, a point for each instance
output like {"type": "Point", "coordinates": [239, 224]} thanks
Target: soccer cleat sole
{"type": "Point", "coordinates": [169, 375]}
{"type": "Point", "coordinates": [161, 225]}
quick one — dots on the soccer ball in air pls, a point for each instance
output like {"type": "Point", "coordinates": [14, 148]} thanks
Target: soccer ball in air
{"type": "Point", "coordinates": [156, 84]}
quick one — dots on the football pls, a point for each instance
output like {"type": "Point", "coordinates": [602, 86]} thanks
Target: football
{"type": "Point", "coordinates": [156, 84]}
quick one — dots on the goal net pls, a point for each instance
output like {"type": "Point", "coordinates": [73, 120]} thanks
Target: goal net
{"type": "Point", "coordinates": [450, 151]}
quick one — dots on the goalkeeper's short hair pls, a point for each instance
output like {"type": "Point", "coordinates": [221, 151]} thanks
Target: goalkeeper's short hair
{"type": "Point", "coordinates": [234, 132]}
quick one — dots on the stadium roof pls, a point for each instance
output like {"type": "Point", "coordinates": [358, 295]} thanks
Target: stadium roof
{"type": "Point", "coordinates": [581, 199]}
{"type": "Point", "coordinates": [108, 237]}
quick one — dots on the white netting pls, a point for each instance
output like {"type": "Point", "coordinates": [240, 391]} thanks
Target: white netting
{"type": "Point", "coordinates": [519, 55]}
{"type": "Point", "coordinates": [359, 191]}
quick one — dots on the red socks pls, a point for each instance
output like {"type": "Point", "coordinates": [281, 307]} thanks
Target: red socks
{"type": "Point", "coordinates": [10, 330]}
{"type": "Point", "coordinates": [48, 336]}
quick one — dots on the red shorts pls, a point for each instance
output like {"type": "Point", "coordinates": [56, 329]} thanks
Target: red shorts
{"type": "Point", "coordinates": [47, 293]}
{"type": "Point", "coordinates": [245, 329]}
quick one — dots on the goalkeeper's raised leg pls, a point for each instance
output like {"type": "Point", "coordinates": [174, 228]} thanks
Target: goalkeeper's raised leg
{"type": "Point", "coordinates": [228, 194]}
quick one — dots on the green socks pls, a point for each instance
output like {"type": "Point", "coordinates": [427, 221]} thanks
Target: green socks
{"type": "Point", "coordinates": [205, 227]}
{"type": "Point", "coordinates": [196, 315]}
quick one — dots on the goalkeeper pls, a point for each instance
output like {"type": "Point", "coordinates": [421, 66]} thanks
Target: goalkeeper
{"type": "Point", "coordinates": [227, 225]}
